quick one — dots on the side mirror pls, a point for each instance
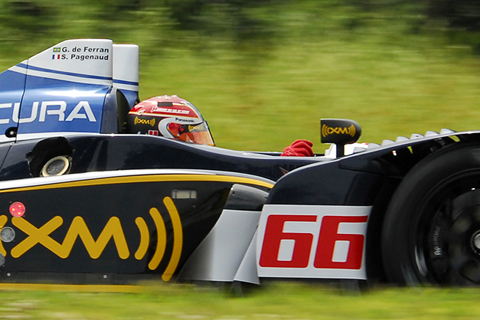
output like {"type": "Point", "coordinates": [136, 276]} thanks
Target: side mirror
{"type": "Point", "coordinates": [339, 132]}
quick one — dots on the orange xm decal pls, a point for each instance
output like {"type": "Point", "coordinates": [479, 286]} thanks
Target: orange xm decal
{"type": "Point", "coordinates": [326, 130]}
{"type": "Point", "coordinates": [113, 229]}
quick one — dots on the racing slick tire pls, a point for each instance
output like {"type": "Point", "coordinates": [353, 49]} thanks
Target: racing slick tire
{"type": "Point", "coordinates": [431, 231]}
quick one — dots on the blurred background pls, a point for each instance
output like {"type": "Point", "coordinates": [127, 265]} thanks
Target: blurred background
{"type": "Point", "coordinates": [263, 72]}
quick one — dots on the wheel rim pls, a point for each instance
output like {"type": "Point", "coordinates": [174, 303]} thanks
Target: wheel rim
{"type": "Point", "coordinates": [446, 232]}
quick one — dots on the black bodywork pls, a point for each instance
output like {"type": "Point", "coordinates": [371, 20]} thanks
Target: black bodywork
{"type": "Point", "coordinates": [366, 178]}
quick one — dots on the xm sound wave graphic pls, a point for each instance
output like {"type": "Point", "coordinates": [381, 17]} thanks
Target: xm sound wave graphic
{"type": "Point", "coordinates": [326, 130]}
{"type": "Point", "coordinates": [144, 121]}
{"type": "Point", "coordinates": [113, 229]}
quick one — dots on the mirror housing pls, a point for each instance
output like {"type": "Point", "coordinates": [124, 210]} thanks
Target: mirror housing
{"type": "Point", "coordinates": [339, 132]}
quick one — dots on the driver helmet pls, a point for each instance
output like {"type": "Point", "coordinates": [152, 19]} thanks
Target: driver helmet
{"type": "Point", "coordinates": [171, 117]}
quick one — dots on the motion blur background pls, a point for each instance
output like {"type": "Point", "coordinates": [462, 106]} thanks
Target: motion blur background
{"type": "Point", "coordinates": [263, 72]}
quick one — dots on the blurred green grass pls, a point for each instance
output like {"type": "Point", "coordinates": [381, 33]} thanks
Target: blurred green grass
{"type": "Point", "coordinates": [276, 301]}
{"type": "Point", "coordinates": [389, 90]}
{"type": "Point", "coordinates": [326, 61]}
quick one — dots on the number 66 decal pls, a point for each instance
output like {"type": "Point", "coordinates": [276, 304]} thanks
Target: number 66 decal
{"type": "Point", "coordinates": [312, 241]}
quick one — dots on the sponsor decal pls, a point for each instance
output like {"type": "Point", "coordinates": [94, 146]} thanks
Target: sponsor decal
{"type": "Point", "coordinates": [79, 231]}
{"type": "Point", "coordinates": [44, 109]}
{"type": "Point", "coordinates": [312, 241]}
{"type": "Point", "coordinates": [326, 130]}
{"type": "Point", "coordinates": [144, 121]}
{"type": "Point", "coordinates": [185, 120]}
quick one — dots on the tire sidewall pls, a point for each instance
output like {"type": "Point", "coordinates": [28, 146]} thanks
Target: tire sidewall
{"type": "Point", "coordinates": [399, 229]}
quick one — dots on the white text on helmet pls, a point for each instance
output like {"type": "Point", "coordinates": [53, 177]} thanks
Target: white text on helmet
{"type": "Point", "coordinates": [169, 110]}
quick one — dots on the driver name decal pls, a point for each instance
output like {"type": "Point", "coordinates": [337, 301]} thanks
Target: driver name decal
{"type": "Point", "coordinates": [84, 53]}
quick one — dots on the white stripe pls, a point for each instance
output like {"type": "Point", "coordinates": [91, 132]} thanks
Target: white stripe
{"type": "Point", "coordinates": [4, 138]}
{"type": "Point", "coordinates": [18, 69]}
{"type": "Point", "coordinates": [43, 181]}
{"type": "Point", "coordinates": [37, 135]}
{"type": "Point", "coordinates": [63, 77]}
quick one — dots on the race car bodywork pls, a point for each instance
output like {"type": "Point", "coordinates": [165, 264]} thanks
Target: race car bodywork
{"type": "Point", "coordinates": [81, 201]}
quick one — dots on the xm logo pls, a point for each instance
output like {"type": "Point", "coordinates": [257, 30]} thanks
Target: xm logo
{"type": "Point", "coordinates": [46, 109]}
{"type": "Point", "coordinates": [326, 130]}
{"type": "Point", "coordinates": [144, 121]}
{"type": "Point", "coordinates": [113, 229]}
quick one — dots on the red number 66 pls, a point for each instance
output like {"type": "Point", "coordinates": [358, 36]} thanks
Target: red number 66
{"type": "Point", "coordinates": [327, 238]}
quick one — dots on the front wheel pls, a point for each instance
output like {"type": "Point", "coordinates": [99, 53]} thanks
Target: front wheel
{"type": "Point", "coordinates": [431, 232]}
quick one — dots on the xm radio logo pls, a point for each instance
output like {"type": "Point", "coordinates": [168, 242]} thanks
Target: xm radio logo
{"type": "Point", "coordinates": [144, 121]}
{"type": "Point", "coordinates": [326, 130]}
{"type": "Point", "coordinates": [113, 229]}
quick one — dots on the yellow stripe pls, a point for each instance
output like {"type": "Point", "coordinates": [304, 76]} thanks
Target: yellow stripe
{"type": "Point", "coordinates": [143, 178]}
{"type": "Point", "coordinates": [161, 239]}
{"type": "Point", "coordinates": [70, 287]}
{"type": "Point", "coordinates": [3, 221]}
{"type": "Point", "coordinates": [144, 238]}
{"type": "Point", "coordinates": [177, 239]}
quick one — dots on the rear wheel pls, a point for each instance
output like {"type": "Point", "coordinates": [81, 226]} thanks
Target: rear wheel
{"type": "Point", "coordinates": [431, 231]}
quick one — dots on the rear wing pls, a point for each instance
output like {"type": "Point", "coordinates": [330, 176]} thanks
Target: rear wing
{"type": "Point", "coordinates": [125, 71]}
{"type": "Point", "coordinates": [81, 85]}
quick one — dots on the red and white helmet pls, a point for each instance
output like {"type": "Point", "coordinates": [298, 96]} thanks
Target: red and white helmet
{"type": "Point", "coordinates": [171, 117]}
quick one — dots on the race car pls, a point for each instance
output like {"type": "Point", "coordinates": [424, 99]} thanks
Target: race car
{"type": "Point", "coordinates": [81, 201]}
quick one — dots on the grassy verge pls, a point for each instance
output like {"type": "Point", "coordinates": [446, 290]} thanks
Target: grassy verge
{"type": "Point", "coordinates": [278, 301]}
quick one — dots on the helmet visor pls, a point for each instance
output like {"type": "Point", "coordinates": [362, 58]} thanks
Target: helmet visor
{"type": "Point", "coordinates": [198, 133]}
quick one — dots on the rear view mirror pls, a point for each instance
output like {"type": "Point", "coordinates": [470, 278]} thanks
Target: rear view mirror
{"type": "Point", "coordinates": [339, 132]}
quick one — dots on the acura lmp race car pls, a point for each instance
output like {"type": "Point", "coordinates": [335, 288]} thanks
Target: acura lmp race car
{"type": "Point", "coordinates": [82, 201]}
